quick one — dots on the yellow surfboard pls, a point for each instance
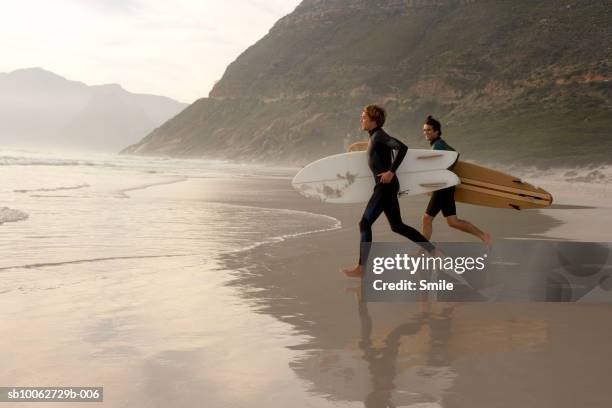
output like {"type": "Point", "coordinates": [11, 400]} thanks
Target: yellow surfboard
{"type": "Point", "coordinates": [491, 188]}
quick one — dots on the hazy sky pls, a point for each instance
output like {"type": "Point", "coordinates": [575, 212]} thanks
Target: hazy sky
{"type": "Point", "coordinates": [174, 48]}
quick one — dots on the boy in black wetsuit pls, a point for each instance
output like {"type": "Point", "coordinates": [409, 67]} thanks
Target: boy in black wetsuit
{"type": "Point", "coordinates": [444, 200]}
{"type": "Point", "coordinates": [384, 197]}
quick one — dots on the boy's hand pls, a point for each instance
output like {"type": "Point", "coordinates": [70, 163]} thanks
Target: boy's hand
{"type": "Point", "coordinates": [386, 177]}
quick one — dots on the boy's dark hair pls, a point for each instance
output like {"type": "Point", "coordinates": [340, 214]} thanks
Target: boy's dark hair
{"type": "Point", "coordinates": [376, 113]}
{"type": "Point", "coordinates": [435, 125]}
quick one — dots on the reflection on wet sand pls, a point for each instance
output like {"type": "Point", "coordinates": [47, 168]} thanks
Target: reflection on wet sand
{"type": "Point", "coordinates": [431, 354]}
{"type": "Point", "coordinates": [406, 356]}
{"type": "Point", "coordinates": [409, 352]}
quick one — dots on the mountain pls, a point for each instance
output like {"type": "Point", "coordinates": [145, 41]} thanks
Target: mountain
{"type": "Point", "coordinates": [517, 81]}
{"type": "Point", "coordinates": [40, 108]}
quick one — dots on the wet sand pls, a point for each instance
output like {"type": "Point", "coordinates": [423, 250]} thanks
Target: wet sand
{"type": "Point", "coordinates": [278, 325]}
{"type": "Point", "coordinates": [424, 355]}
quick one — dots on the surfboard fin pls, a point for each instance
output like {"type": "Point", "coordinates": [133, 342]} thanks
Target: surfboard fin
{"type": "Point", "coordinates": [516, 207]}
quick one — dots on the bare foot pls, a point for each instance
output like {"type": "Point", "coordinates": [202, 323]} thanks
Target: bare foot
{"type": "Point", "coordinates": [486, 238]}
{"type": "Point", "coordinates": [356, 272]}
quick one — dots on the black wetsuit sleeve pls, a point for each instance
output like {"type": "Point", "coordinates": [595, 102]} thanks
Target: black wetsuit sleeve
{"type": "Point", "coordinates": [395, 144]}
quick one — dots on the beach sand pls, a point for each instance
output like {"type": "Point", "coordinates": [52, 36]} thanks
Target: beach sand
{"type": "Point", "coordinates": [408, 354]}
{"type": "Point", "coordinates": [278, 325]}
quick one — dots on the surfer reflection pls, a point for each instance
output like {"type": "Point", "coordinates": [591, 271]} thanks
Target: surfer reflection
{"type": "Point", "coordinates": [444, 199]}
{"type": "Point", "coordinates": [427, 333]}
{"type": "Point", "coordinates": [381, 151]}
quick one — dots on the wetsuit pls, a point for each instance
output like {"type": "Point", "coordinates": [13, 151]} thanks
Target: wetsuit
{"type": "Point", "coordinates": [442, 199]}
{"type": "Point", "coordinates": [384, 197]}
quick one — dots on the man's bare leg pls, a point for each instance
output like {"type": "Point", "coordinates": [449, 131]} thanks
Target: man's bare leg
{"type": "Point", "coordinates": [468, 227]}
{"type": "Point", "coordinates": [427, 227]}
{"type": "Point", "coordinates": [356, 272]}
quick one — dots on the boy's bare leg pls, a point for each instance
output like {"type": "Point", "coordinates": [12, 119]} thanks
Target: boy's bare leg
{"type": "Point", "coordinates": [427, 226]}
{"type": "Point", "coordinates": [468, 227]}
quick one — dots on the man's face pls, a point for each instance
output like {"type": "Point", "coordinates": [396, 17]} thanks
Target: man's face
{"type": "Point", "coordinates": [429, 133]}
{"type": "Point", "coordinates": [367, 124]}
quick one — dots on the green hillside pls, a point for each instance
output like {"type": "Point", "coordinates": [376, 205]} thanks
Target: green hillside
{"type": "Point", "coordinates": [512, 81]}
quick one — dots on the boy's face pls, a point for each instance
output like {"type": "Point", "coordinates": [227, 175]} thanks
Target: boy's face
{"type": "Point", "coordinates": [429, 133]}
{"type": "Point", "coordinates": [367, 124]}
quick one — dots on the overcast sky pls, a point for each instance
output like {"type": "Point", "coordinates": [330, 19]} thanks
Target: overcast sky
{"type": "Point", "coordinates": [174, 48]}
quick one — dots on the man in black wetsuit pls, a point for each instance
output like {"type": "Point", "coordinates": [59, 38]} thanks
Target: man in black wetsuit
{"type": "Point", "coordinates": [384, 197]}
{"type": "Point", "coordinates": [444, 200]}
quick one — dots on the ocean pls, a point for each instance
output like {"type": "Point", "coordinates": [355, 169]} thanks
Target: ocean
{"type": "Point", "coordinates": [110, 279]}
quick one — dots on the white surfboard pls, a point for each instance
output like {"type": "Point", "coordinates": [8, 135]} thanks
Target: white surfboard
{"type": "Point", "coordinates": [346, 177]}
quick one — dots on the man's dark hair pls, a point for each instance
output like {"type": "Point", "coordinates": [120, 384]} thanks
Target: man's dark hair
{"type": "Point", "coordinates": [376, 113]}
{"type": "Point", "coordinates": [435, 125]}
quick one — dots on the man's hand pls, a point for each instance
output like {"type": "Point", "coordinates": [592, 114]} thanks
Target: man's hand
{"type": "Point", "coordinates": [386, 177]}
